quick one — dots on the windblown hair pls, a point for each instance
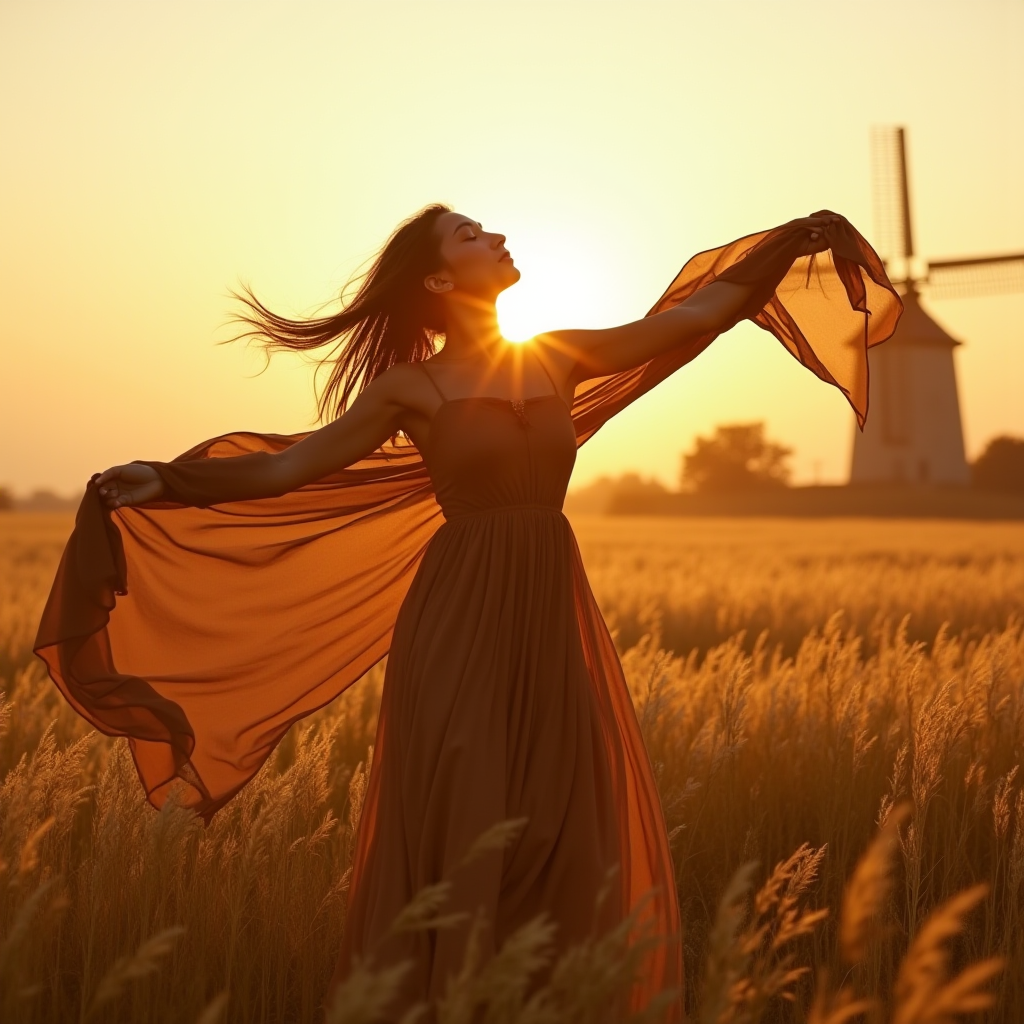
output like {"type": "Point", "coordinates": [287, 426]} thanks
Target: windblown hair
{"type": "Point", "coordinates": [390, 319]}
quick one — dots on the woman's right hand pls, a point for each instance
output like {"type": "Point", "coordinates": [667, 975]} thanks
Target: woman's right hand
{"type": "Point", "coordinates": [134, 484]}
{"type": "Point", "coordinates": [816, 227]}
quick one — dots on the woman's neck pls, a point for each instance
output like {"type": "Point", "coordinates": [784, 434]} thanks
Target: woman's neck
{"type": "Point", "coordinates": [471, 329]}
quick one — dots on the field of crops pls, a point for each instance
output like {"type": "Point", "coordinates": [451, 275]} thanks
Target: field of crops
{"type": "Point", "coordinates": [835, 712]}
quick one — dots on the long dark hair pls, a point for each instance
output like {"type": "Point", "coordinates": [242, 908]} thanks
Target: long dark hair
{"type": "Point", "coordinates": [390, 319]}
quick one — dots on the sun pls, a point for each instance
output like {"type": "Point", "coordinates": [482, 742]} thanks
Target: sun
{"type": "Point", "coordinates": [564, 285]}
{"type": "Point", "coordinates": [525, 311]}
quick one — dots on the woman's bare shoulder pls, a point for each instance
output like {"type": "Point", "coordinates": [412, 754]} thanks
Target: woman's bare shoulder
{"type": "Point", "coordinates": [404, 384]}
{"type": "Point", "coordinates": [560, 351]}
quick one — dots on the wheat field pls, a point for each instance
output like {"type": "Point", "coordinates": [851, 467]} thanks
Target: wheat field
{"type": "Point", "coordinates": [834, 712]}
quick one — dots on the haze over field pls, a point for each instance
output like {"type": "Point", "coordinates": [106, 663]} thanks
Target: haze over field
{"type": "Point", "coordinates": [157, 154]}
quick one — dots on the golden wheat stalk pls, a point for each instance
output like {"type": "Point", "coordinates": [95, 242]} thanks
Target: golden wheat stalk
{"type": "Point", "coordinates": [836, 1008]}
{"type": "Point", "coordinates": [17, 932]}
{"type": "Point", "coordinates": [29, 859]}
{"type": "Point", "coordinates": [366, 994]}
{"type": "Point", "coordinates": [422, 912]}
{"type": "Point", "coordinates": [869, 886]}
{"type": "Point", "coordinates": [864, 896]}
{"type": "Point", "coordinates": [497, 837]}
{"type": "Point", "coordinates": [213, 1012]}
{"type": "Point", "coordinates": [924, 995]}
{"type": "Point", "coordinates": [145, 960]}
{"type": "Point", "coordinates": [727, 958]}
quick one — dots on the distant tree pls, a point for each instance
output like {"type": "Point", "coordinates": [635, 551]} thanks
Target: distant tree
{"type": "Point", "coordinates": [632, 494]}
{"type": "Point", "coordinates": [737, 458]}
{"type": "Point", "coordinates": [44, 500]}
{"type": "Point", "coordinates": [609, 494]}
{"type": "Point", "coordinates": [592, 499]}
{"type": "Point", "coordinates": [6, 499]}
{"type": "Point", "coordinates": [635, 484]}
{"type": "Point", "coordinates": [1000, 467]}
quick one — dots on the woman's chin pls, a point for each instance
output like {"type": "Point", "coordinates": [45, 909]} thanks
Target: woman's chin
{"type": "Point", "coordinates": [511, 274]}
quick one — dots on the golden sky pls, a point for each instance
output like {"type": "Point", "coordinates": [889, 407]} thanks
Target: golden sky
{"type": "Point", "coordinates": [154, 154]}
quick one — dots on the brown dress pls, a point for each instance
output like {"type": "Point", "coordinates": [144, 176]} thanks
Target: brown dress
{"type": "Point", "coordinates": [201, 626]}
{"type": "Point", "coordinates": [491, 711]}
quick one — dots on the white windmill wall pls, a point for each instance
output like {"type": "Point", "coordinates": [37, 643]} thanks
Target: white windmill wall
{"type": "Point", "coordinates": [913, 433]}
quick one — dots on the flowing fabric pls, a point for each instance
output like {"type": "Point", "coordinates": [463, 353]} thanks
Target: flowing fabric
{"type": "Point", "coordinates": [203, 625]}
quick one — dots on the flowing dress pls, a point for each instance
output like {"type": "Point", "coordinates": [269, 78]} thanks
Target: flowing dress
{"type": "Point", "coordinates": [202, 626]}
{"type": "Point", "coordinates": [497, 704]}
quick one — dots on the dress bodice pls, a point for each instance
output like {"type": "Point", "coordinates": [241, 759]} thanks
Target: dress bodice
{"type": "Point", "coordinates": [488, 453]}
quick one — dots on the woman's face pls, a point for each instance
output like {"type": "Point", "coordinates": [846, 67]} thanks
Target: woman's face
{"type": "Point", "coordinates": [475, 262]}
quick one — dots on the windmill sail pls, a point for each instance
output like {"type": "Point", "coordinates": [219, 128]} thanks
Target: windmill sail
{"type": "Point", "coordinates": [891, 194]}
{"type": "Point", "coordinates": [984, 275]}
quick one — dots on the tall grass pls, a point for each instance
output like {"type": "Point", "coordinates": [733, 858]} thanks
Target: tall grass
{"type": "Point", "coordinates": [845, 805]}
{"type": "Point", "coordinates": [709, 579]}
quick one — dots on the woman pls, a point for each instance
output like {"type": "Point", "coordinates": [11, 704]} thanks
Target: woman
{"type": "Point", "coordinates": [503, 695]}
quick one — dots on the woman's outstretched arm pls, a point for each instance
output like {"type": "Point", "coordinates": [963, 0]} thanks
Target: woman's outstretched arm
{"type": "Point", "coordinates": [378, 412]}
{"type": "Point", "coordinates": [596, 353]}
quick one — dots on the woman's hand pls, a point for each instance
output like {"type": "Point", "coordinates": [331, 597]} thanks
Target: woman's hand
{"type": "Point", "coordinates": [815, 227]}
{"type": "Point", "coordinates": [134, 484]}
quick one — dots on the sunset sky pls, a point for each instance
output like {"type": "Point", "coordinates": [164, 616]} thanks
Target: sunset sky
{"type": "Point", "coordinates": [156, 154]}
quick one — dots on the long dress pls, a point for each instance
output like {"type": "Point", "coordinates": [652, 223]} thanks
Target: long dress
{"type": "Point", "coordinates": [202, 626]}
{"type": "Point", "coordinates": [490, 711]}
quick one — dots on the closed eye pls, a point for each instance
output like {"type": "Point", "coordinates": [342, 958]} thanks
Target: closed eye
{"type": "Point", "coordinates": [467, 224]}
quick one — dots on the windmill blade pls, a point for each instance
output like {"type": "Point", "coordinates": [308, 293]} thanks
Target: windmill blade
{"type": "Point", "coordinates": [891, 193]}
{"type": "Point", "coordinates": [984, 275]}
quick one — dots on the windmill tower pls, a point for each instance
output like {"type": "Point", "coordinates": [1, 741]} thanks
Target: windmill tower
{"type": "Point", "coordinates": [913, 434]}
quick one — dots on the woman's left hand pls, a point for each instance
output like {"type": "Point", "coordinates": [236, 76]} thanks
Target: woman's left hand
{"type": "Point", "coordinates": [816, 230]}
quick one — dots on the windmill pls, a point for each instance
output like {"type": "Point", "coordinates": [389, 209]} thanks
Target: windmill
{"type": "Point", "coordinates": [914, 434]}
